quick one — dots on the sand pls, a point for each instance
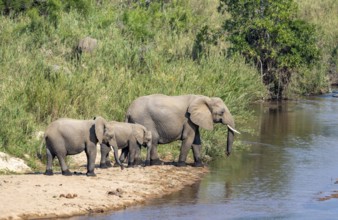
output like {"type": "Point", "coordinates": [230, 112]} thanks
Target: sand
{"type": "Point", "coordinates": [39, 196]}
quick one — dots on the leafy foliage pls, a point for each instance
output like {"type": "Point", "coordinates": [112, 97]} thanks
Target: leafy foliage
{"type": "Point", "coordinates": [14, 6]}
{"type": "Point", "coordinates": [267, 33]}
{"type": "Point", "coordinates": [43, 9]}
{"type": "Point", "coordinates": [204, 37]}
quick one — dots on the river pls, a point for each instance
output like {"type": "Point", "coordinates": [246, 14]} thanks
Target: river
{"type": "Point", "coordinates": [288, 170]}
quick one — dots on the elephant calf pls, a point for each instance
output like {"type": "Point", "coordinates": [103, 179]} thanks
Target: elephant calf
{"type": "Point", "coordinates": [130, 138]}
{"type": "Point", "coordinates": [70, 136]}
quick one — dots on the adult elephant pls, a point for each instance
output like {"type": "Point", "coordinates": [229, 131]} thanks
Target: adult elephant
{"type": "Point", "coordinates": [67, 136]}
{"type": "Point", "coordinates": [172, 118]}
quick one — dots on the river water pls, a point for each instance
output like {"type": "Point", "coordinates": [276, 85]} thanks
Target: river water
{"type": "Point", "coordinates": [284, 172]}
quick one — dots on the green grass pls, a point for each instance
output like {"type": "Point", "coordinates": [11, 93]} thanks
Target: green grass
{"type": "Point", "coordinates": [139, 52]}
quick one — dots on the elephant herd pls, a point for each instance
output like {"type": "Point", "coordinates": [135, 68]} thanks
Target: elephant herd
{"type": "Point", "coordinates": [150, 120]}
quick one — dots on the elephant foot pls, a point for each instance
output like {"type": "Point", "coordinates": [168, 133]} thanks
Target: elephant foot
{"type": "Point", "coordinates": [91, 173]}
{"type": "Point", "coordinates": [131, 165]}
{"type": "Point", "coordinates": [49, 173]}
{"type": "Point", "coordinates": [108, 164]}
{"type": "Point", "coordinates": [103, 166]}
{"type": "Point", "coordinates": [147, 163]}
{"type": "Point", "coordinates": [181, 164]}
{"type": "Point", "coordinates": [198, 164]}
{"type": "Point", "coordinates": [156, 162]}
{"type": "Point", "coordinates": [66, 173]}
{"type": "Point", "coordinates": [116, 165]}
{"type": "Point", "coordinates": [138, 161]}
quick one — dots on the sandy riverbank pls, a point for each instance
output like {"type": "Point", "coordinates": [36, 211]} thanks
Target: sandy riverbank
{"type": "Point", "coordinates": [40, 196]}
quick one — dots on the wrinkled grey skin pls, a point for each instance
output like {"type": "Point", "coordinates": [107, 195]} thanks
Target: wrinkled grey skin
{"type": "Point", "coordinates": [130, 138]}
{"type": "Point", "coordinates": [70, 136]}
{"type": "Point", "coordinates": [172, 118]}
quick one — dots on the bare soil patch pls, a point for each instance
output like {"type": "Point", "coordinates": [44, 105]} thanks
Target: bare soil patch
{"type": "Point", "coordinates": [38, 196]}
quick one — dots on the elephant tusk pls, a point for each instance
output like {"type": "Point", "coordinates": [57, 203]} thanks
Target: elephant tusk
{"type": "Point", "coordinates": [232, 129]}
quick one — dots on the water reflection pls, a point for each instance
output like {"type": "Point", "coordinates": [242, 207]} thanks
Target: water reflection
{"type": "Point", "coordinates": [289, 164]}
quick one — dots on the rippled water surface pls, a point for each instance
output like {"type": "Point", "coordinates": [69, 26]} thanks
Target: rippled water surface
{"type": "Point", "coordinates": [284, 173]}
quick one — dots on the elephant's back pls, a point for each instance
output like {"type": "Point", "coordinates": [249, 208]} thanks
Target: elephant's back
{"type": "Point", "coordinates": [161, 114]}
{"type": "Point", "coordinates": [158, 106]}
{"type": "Point", "coordinates": [67, 126]}
{"type": "Point", "coordinates": [122, 127]}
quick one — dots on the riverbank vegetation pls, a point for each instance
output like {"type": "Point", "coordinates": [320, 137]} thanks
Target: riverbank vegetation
{"type": "Point", "coordinates": [143, 47]}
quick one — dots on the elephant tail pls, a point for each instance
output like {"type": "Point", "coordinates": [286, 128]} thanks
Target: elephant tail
{"type": "Point", "coordinates": [38, 154]}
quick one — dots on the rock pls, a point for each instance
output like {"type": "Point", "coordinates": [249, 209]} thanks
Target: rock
{"type": "Point", "coordinates": [12, 164]}
{"type": "Point", "coordinates": [68, 196]}
{"type": "Point", "coordinates": [118, 192]}
{"type": "Point", "coordinates": [87, 45]}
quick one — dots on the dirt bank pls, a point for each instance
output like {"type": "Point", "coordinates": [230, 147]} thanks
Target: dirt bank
{"type": "Point", "coordinates": [40, 196]}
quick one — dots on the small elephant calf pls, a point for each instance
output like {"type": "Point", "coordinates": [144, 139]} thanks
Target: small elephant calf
{"type": "Point", "coordinates": [130, 138]}
{"type": "Point", "coordinates": [67, 136]}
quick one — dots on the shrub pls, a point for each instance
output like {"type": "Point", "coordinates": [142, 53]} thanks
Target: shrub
{"type": "Point", "coordinates": [268, 34]}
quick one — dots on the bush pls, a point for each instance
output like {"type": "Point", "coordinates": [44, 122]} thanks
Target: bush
{"type": "Point", "coordinates": [268, 34]}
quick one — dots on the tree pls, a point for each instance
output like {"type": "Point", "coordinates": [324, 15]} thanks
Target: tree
{"type": "Point", "coordinates": [268, 33]}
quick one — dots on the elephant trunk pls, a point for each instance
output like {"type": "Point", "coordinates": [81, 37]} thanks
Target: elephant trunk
{"type": "Point", "coordinates": [230, 141]}
{"type": "Point", "coordinates": [230, 123]}
{"type": "Point", "coordinates": [115, 150]}
{"type": "Point", "coordinates": [149, 146]}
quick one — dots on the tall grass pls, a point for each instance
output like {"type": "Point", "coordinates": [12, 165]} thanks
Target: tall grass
{"type": "Point", "coordinates": [140, 51]}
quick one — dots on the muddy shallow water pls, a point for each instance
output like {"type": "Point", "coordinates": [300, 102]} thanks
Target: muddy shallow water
{"type": "Point", "coordinates": [287, 171]}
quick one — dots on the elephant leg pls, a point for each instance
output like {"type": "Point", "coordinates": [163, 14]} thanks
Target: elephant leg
{"type": "Point", "coordinates": [185, 147]}
{"type": "Point", "coordinates": [91, 156]}
{"type": "Point", "coordinates": [105, 160]}
{"type": "Point", "coordinates": [137, 158]}
{"type": "Point", "coordinates": [108, 161]}
{"type": "Point", "coordinates": [196, 149]}
{"type": "Point", "coordinates": [131, 157]}
{"type": "Point", "coordinates": [64, 167]}
{"type": "Point", "coordinates": [154, 158]}
{"type": "Point", "coordinates": [50, 158]}
{"type": "Point", "coordinates": [124, 154]}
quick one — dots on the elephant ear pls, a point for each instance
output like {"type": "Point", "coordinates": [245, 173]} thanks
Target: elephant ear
{"type": "Point", "coordinates": [139, 133]}
{"type": "Point", "coordinates": [109, 134]}
{"type": "Point", "coordinates": [200, 113]}
{"type": "Point", "coordinates": [99, 128]}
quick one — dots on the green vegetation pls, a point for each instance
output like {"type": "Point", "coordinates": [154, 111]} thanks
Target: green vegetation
{"type": "Point", "coordinates": [323, 14]}
{"type": "Point", "coordinates": [171, 47]}
{"type": "Point", "coordinates": [268, 34]}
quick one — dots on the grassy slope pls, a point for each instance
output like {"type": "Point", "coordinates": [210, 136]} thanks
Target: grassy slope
{"type": "Point", "coordinates": [122, 68]}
